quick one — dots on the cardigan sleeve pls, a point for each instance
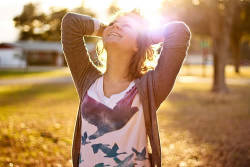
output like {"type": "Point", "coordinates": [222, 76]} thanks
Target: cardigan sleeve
{"type": "Point", "coordinates": [177, 37]}
{"type": "Point", "coordinates": [74, 27]}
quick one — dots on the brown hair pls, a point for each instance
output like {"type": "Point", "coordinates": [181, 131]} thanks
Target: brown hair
{"type": "Point", "coordinates": [138, 65]}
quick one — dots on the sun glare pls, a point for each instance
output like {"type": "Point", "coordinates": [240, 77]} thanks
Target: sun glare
{"type": "Point", "coordinates": [149, 9]}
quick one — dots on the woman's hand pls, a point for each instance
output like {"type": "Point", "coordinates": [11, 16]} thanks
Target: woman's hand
{"type": "Point", "coordinates": [101, 29]}
{"type": "Point", "coordinates": [98, 27]}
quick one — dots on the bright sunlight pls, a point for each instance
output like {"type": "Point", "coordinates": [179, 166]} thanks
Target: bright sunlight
{"type": "Point", "coordinates": [149, 8]}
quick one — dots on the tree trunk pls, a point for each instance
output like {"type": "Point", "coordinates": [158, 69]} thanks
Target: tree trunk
{"type": "Point", "coordinates": [219, 84]}
{"type": "Point", "coordinates": [236, 55]}
{"type": "Point", "coordinates": [218, 33]}
{"type": "Point", "coordinates": [236, 36]}
{"type": "Point", "coordinates": [220, 28]}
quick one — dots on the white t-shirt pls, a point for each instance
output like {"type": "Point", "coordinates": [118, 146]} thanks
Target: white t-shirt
{"type": "Point", "coordinates": [113, 130]}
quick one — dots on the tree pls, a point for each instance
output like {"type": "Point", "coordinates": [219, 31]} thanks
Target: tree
{"type": "Point", "coordinates": [241, 26]}
{"type": "Point", "coordinates": [30, 22]}
{"type": "Point", "coordinates": [53, 22]}
{"type": "Point", "coordinates": [35, 25]}
{"type": "Point", "coordinates": [215, 18]}
{"type": "Point", "coordinates": [221, 21]}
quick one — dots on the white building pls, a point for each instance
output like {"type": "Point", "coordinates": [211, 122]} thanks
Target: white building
{"type": "Point", "coordinates": [25, 53]}
{"type": "Point", "coordinates": [11, 56]}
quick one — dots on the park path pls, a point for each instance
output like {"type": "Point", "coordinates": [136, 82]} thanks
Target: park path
{"type": "Point", "coordinates": [195, 79]}
{"type": "Point", "coordinates": [68, 79]}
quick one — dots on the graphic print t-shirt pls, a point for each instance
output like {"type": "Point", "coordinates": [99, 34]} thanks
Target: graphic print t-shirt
{"type": "Point", "coordinates": [113, 129]}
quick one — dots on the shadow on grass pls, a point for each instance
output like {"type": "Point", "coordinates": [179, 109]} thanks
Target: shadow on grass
{"type": "Point", "coordinates": [206, 129]}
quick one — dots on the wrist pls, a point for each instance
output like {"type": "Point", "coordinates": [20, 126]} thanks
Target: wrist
{"type": "Point", "coordinates": [98, 27]}
{"type": "Point", "coordinates": [101, 29]}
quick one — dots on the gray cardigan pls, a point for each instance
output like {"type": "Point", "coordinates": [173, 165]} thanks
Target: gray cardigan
{"type": "Point", "coordinates": [153, 87]}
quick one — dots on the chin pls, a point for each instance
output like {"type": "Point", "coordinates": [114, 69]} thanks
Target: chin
{"type": "Point", "coordinates": [113, 44]}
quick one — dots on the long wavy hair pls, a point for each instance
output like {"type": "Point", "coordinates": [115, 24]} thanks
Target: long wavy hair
{"type": "Point", "coordinates": [141, 62]}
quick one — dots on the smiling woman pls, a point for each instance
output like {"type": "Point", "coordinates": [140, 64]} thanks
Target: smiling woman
{"type": "Point", "coordinates": [117, 110]}
{"type": "Point", "coordinates": [127, 35]}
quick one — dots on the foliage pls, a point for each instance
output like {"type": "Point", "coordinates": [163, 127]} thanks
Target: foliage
{"type": "Point", "coordinates": [31, 22]}
{"type": "Point", "coordinates": [35, 25]}
{"type": "Point", "coordinates": [225, 21]}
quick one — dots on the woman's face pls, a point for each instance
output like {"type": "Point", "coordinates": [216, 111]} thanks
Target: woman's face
{"type": "Point", "coordinates": [122, 34]}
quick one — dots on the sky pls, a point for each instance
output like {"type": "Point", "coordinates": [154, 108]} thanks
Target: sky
{"type": "Point", "coordinates": [10, 8]}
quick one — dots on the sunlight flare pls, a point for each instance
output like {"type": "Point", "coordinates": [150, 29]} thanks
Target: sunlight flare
{"type": "Point", "coordinates": [149, 9]}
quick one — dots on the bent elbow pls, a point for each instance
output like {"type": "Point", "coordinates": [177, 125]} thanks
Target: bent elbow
{"type": "Point", "coordinates": [185, 30]}
{"type": "Point", "coordinates": [177, 34]}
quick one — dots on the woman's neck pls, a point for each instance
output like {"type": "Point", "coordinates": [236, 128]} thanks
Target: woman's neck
{"type": "Point", "coordinates": [117, 67]}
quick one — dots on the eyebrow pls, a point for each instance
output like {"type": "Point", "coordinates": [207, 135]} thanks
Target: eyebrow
{"type": "Point", "coordinates": [111, 23]}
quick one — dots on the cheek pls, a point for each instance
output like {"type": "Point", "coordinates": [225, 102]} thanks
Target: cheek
{"type": "Point", "coordinates": [131, 38]}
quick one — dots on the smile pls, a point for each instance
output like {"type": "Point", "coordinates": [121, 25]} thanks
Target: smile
{"type": "Point", "coordinates": [114, 34]}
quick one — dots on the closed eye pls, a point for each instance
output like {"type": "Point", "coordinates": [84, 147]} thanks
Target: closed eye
{"type": "Point", "coordinates": [110, 24]}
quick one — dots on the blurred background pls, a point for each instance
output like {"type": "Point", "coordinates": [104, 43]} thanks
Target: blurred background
{"type": "Point", "coordinates": [204, 122]}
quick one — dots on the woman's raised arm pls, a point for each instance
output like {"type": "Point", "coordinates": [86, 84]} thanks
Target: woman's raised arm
{"type": "Point", "coordinates": [73, 27]}
{"type": "Point", "coordinates": [176, 40]}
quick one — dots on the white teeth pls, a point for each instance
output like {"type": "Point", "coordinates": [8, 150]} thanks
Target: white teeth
{"type": "Point", "coordinates": [114, 34]}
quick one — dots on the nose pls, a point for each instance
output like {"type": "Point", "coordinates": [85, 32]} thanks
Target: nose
{"type": "Point", "coordinates": [117, 26]}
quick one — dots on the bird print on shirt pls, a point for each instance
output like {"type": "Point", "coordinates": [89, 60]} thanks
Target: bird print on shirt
{"type": "Point", "coordinates": [107, 119]}
{"type": "Point", "coordinates": [84, 138]}
{"type": "Point", "coordinates": [101, 165]}
{"type": "Point", "coordinates": [140, 156]}
{"type": "Point", "coordinates": [126, 162]}
{"type": "Point", "coordinates": [110, 152]}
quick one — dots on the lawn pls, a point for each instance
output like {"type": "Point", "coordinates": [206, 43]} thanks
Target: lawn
{"type": "Point", "coordinates": [197, 128]}
{"type": "Point", "coordinates": [11, 74]}
{"type": "Point", "coordinates": [36, 124]}
{"type": "Point", "coordinates": [200, 128]}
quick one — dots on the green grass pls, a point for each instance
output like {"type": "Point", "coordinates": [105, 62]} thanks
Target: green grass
{"type": "Point", "coordinates": [11, 74]}
{"type": "Point", "coordinates": [197, 127]}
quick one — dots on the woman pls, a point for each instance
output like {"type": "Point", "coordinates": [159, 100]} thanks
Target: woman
{"type": "Point", "coordinates": [117, 109]}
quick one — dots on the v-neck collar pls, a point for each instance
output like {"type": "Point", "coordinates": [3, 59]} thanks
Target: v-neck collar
{"type": "Point", "coordinates": [115, 94]}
